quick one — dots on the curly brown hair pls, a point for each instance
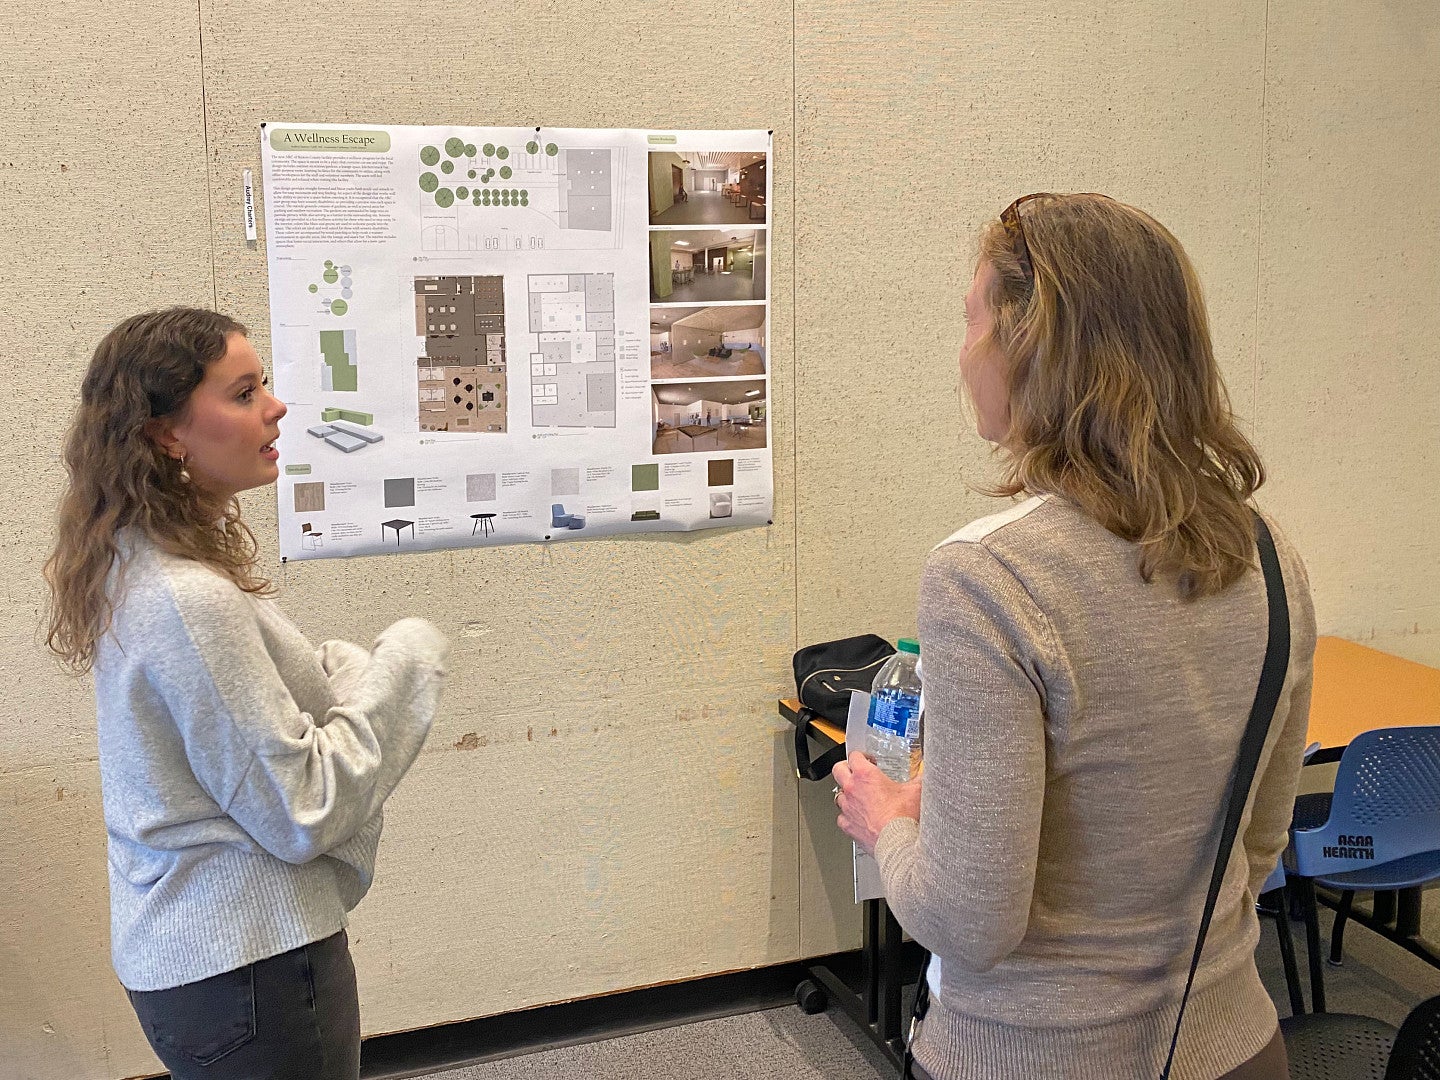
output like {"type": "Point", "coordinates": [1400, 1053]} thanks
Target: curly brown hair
{"type": "Point", "coordinates": [144, 369]}
{"type": "Point", "coordinates": [1116, 401]}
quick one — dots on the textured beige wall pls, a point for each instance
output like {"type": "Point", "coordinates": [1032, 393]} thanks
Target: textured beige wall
{"type": "Point", "coordinates": [657, 833]}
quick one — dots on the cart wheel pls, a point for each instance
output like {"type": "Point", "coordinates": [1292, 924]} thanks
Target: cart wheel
{"type": "Point", "coordinates": [810, 998]}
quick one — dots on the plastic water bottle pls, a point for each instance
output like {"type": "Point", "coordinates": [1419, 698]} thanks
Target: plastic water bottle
{"type": "Point", "coordinates": [892, 730]}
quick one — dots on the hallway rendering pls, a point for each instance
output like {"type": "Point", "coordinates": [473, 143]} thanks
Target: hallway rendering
{"type": "Point", "coordinates": [708, 189]}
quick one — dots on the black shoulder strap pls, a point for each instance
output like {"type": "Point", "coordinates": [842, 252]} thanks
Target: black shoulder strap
{"type": "Point", "coordinates": [806, 767]}
{"type": "Point", "coordinates": [1272, 678]}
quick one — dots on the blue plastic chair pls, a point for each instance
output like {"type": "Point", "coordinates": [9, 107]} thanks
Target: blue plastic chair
{"type": "Point", "coordinates": [1378, 831]}
{"type": "Point", "coordinates": [1339, 1046]}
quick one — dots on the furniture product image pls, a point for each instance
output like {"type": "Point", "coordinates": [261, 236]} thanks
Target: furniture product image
{"type": "Point", "coordinates": [720, 504]}
{"type": "Point", "coordinates": [561, 520]}
{"type": "Point", "coordinates": [483, 522]}
{"type": "Point", "coordinates": [309, 538]}
{"type": "Point", "coordinates": [397, 524]}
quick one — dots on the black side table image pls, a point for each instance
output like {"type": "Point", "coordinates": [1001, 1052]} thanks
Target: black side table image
{"type": "Point", "coordinates": [397, 524]}
{"type": "Point", "coordinates": [483, 522]}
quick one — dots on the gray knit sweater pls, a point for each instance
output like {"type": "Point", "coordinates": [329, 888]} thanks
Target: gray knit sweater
{"type": "Point", "coordinates": [1081, 726]}
{"type": "Point", "coordinates": [243, 770]}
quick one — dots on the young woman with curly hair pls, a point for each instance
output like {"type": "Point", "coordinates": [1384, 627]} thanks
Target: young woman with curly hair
{"type": "Point", "coordinates": [243, 770]}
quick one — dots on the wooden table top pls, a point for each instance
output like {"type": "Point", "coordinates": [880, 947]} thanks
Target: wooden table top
{"type": "Point", "coordinates": [1357, 688]}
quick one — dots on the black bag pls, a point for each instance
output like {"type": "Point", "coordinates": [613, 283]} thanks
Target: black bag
{"type": "Point", "coordinates": [824, 676]}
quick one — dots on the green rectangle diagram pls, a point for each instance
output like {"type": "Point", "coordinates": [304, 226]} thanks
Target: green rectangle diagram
{"type": "Point", "coordinates": [645, 477]}
{"type": "Point", "coordinates": [343, 374]}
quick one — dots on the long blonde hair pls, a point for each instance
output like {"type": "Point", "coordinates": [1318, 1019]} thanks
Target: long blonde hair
{"type": "Point", "coordinates": [145, 368]}
{"type": "Point", "coordinates": [1116, 402]}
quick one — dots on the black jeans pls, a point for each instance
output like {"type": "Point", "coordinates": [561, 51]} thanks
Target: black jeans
{"type": "Point", "coordinates": [295, 1016]}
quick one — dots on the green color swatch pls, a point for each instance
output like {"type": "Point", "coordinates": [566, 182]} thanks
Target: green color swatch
{"type": "Point", "coordinates": [645, 477]}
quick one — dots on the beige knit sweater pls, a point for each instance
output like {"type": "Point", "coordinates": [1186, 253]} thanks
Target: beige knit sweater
{"type": "Point", "coordinates": [1080, 729]}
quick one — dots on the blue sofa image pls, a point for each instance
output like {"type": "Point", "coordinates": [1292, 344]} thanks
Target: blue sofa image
{"type": "Point", "coordinates": [561, 520]}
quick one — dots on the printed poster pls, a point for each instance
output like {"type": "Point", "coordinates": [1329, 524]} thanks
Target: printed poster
{"type": "Point", "coordinates": [504, 335]}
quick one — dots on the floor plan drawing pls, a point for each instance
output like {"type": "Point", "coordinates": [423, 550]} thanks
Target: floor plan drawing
{"type": "Point", "coordinates": [530, 196]}
{"type": "Point", "coordinates": [572, 365]}
{"type": "Point", "coordinates": [461, 376]}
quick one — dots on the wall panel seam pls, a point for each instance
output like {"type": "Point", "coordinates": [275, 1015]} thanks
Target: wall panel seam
{"type": "Point", "coordinates": [205, 142]}
{"type": "Point", "coordinates": [795, 430]}
{"type": "Point", "coordinates": [1255, 359]}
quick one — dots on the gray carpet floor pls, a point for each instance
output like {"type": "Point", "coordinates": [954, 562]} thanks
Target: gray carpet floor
{"type": "Point", "coordinates": [1377, 979]}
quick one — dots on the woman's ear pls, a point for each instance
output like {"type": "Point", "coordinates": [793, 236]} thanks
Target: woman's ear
{"type": "Point", "coordinates": [159, 431]}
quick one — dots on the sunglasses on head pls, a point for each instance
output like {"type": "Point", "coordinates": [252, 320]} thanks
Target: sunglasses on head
{"type": "Point", "coordinates": [1014, 227]}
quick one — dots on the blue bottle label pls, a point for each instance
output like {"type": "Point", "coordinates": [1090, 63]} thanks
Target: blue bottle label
{"type": "Point", "coordinates": [899, 714]}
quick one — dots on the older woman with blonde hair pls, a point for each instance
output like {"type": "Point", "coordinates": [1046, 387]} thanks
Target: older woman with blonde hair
{"type": "Point", "coordinates": [1090, 659]}
{"type": "Point", "coordinates": [243, 770]}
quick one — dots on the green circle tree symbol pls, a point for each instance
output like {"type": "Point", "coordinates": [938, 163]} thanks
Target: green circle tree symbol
{"type": "Point", "coordinates": [502, 152]}
{"type": "Point", "coordinates": [429, 181]}
{"type": "Point", "coordinates": [462, 193]}
{"type": "Point", "coordinates": [489, 148]}
{"type": "Point", "coordinates": [447, 167]}
{"type": "Point", "coordinates": [338, 307]}
{"type": "Point", "coordinates": [469, 149]}
{"type": "Point", "coordinates": [430, 155]}
{"type": "Point", "coordinates": [505, 172]}
{"type": "Point", "coordinates": [472, 174]}
{"type": "Point", "coordinates": [444, 198]}
{"type": "Point", "coordinates": [532, 147]}
{"type": "Point", "coordinates": [551, 149]}
{"type": "Point", "coordinates": [454, 147]}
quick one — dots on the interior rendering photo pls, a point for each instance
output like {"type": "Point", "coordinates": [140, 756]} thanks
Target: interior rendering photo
{"type": "Point", "coordinates": [710, 342]}
{"type": "Point", "coordinates": [706, 267]}
{"type": "Point", "coordinates": [693, 417]}
{"type": "Point", "coordinates": [715, 188]}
